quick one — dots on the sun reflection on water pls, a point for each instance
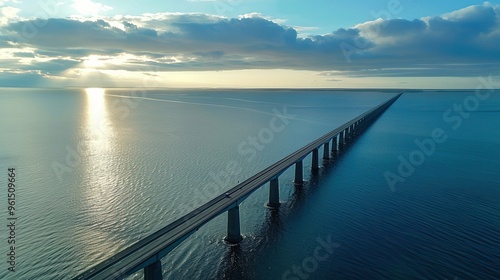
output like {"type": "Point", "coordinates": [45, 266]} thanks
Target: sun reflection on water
{"type": "Point", "coordinates": [99, 178]}
{"type": "Point", "coordinates": [96, 107]}
{"type": "Point", "coordinates": [98, 137]}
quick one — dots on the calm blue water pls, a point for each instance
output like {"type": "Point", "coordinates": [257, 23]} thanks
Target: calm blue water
{"type": "Point", "coordinates": [98, 170]}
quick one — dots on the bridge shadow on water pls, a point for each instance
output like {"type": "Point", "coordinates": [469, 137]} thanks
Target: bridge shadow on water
{"type": "Point", "coordinates": [242, 261]}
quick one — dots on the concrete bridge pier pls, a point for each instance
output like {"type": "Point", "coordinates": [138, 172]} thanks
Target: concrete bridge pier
{"type": "Point", "coordinates": [233, 226]}
{"type": "Point", "coordinates": [326, 151]}
{"type": "Point", "coordinates": [153, 271]}
{"type": "Point", "coordinates": [299, 173]}
{"type": "Point", "coordinates": [274, 194]}
{"type": "Point", "coordinates": [315, 159]}
{"type": "Point", "coordinates": [361, 124]}
{"type": "Point", "coordinates": [334, 144]}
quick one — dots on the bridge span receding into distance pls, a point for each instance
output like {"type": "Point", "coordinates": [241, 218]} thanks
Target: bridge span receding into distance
{"type": "Point", "coordinates": [147, 253]}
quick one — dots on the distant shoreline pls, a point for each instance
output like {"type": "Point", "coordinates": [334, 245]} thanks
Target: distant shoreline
{"type": "Point", "coordinates": [250, 89]}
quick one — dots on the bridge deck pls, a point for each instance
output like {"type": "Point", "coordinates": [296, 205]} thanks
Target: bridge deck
{"type": "Point", "coordinates": [157, 245]}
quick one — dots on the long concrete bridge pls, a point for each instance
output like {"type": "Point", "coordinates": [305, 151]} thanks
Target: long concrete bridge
{"type": "Point", "coordinates": [147, 253]}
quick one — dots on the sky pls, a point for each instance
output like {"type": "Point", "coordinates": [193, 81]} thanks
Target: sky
{"type": "Point", "coordinates": [249, 43]}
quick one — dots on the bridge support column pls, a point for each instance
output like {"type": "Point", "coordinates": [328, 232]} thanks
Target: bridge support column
{"type": "Point", "coordinates": [326, 151]}
{"type": "Point", "coordinates": [153, 271]}
{"type": "Point", "coordinates": [233, 226]}
{"type": "Point", "coordinates": [334, 144]}
{"type": "Point", "coordinates": [315, 159]}
{"type": "Point", "coordinates": [274, 194]}
{"type": "Point", "coordinates": [299, 173]}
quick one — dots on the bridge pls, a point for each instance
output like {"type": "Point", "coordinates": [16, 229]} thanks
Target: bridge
{"type": "Point", "coordinates": [147, 253]}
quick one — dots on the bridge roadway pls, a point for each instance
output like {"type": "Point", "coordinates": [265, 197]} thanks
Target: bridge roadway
{"type": "Point", "coordinates": [152, 248]}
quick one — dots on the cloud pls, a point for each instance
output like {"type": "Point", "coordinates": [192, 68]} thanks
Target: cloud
{"type": "Point", "coordinates": [8, 14]}
{"type": "Point", "coordinates": [21, 79]}
{"type": "Point", "coordinates": [459, 44]}
{"type": "Point", "coordinates": [212, 55]}
{"type": "Point", "coordinates": [3, 2]}
{"type": "Point", "coordinates": [468, 38]}
{"type": "Point", "coordinates": [24, 54]}
{"type": "Point", "coordinates": [262, 16]}
{"type": "Point", "coordinates": [88, 7]}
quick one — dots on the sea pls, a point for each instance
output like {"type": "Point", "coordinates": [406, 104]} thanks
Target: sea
{"type": "Point", "coordinates": [415, 196]}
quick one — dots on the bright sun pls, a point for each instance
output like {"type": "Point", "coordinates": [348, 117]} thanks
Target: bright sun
{"type": "Point", "coordinates": [93, 61]}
